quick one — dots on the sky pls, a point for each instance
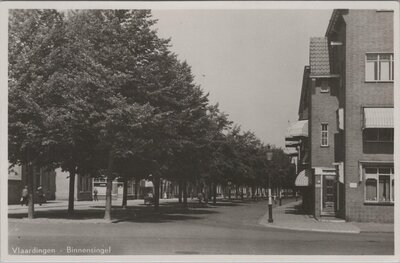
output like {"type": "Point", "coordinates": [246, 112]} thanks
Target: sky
{"type": "Point", "coordinates": [250, 61]}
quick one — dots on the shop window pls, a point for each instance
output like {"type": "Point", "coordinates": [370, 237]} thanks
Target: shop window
{"type": "Point", "coordinates": [393, 189]}
{"type": "Point", "coordinates": [384, 188]}
{"type": "Point", "coordinates": [371, 190]}
{"type": "Point", "coordinates": [379, 184]}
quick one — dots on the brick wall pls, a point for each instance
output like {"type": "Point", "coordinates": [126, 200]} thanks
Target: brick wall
{"type": "Point", "coordinates": [366, 31]}
{"type": "Point", "coordinates": [323, 107]}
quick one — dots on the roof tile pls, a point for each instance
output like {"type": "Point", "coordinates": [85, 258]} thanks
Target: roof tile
{"type": "Point", "coordinates": [319, 57]}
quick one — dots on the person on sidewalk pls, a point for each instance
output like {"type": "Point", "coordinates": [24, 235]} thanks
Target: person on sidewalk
{"type": "Point", "coordinates": [95, 195]}
{"type": "Point", "coordinates": [24, 196]}
{"type": "Point", "coordinates": [40, 194]}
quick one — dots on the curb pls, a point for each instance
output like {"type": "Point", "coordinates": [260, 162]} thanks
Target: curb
{"type": "Point", "coordinates": [264, 219]}
{"type": "Point", "coordinates": [310, 229]}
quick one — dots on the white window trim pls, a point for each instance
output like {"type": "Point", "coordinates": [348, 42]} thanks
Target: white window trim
{"type": "Point", "coordinates": [376, 177]}
{"type": "Point", "coordinates": [391, 71]}
{"type": "Point", "coordinates": [327, 135]}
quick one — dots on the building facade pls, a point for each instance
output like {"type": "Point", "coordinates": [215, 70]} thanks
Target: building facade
{"type": "Point", "coordinates": [17, 180]}
{"type": "Point", "coordinates": [83, 186]}
{"type": "Point", "coordinates": [347, 99]}
{"type": "Point", "coordinates": [55, 184]}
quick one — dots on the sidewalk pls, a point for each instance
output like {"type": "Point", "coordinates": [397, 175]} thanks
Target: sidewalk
{"type": "Point", "coordinates": [290, 216]}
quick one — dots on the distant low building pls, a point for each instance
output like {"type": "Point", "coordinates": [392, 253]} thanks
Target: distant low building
{"type": "Point", "coordinates": [83, 186]}
{"type": "Point", "coordinates": [17, 179]}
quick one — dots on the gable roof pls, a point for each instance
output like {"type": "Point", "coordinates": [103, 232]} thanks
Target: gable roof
{"type": "Point", "coordinates": [335, 18]}
{"type": "Point", "coordinates": [304, 89]}
{"type": "Point", "coordinates": [319, 57]}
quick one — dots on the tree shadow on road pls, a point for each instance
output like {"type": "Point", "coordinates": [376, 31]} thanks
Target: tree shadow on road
{"type": "Point", "coordinates": [167, 212]}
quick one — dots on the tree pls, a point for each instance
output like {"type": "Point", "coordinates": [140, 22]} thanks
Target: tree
{"type": "Point", "coordinates": [35, 38]}
{"type": "Point", "coordinates": [129, 65]}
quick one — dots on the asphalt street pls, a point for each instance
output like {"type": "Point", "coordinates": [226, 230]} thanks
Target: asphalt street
{"type": "Point", "coordinates": [227, 228]}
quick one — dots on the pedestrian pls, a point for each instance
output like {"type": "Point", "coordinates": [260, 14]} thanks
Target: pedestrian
{"type": "Point", "coordinates": [40, 194]}
{"type": "Point", "coordinates": [95, 195]}
{"type": "Point", "coordinates": [24, 196]}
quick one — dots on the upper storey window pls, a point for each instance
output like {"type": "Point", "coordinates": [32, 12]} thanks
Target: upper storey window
{"type": "Point", "coordinates": [324, 134]}
{"type": "Point", "coordinates": [323, 85]}
{"type": "Point", "coordinates": [379, 67]}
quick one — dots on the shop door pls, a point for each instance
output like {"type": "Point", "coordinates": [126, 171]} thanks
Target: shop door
{"type": "Point", "coordinates": [329, 195]}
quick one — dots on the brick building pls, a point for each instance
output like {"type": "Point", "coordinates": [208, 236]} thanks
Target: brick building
{"type": "Point", "coordinates": [347, 104]}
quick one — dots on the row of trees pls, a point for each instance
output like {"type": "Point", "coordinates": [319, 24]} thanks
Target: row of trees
{"type": "Point", "coordinates": [97, 92]}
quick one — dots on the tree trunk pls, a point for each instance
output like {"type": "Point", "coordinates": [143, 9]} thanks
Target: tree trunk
{"type": "Point", "coordinates": [206, 194]}
{"type": "Point", "coordinates": [161, 189]}
{"type": "Point", "coordinates": [137, 182]}
{"type": "Point", "coordinates": [110, 179]}
{"type": "Point", "coordinates": [156, 183]}
{"type": "Point", "coordinates": [125, 193]}
{"type": "Point", "coordinates": [184, 193]}
{"type": "Point", "coordinates": [71, 195]}
{"type": "Point", "coordinates": [214, 186]}
{"type": "Point", "coordinates": [241, 193]}
{"type": "Point", "coordinates": [180, 192]}
{"type": "Point", "coordinates": [31, 206]}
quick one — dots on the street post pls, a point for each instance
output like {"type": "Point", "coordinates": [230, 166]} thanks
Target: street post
{"type": "Point", "coordinates": [269, 158]}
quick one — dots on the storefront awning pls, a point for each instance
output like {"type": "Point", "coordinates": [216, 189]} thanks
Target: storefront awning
{"type": "Point", "coordinates": [303, 178]}
{"type": "Point", "coordinates": [290, 152]}
{"type": "Point", "coordinates": [292, 143]}
{"type": "Point", "coordinates": [378, 118]}
{"type": "Point", "coordinates": [325, 170]}
{"type": "Point", "coordinates": [298, 129]}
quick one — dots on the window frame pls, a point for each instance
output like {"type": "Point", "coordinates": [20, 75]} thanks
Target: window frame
{"type": "Point", "coordinates": [324, 132]}
{"type": "Point", "coordinates": [321, 83]}
{"type": "Point", "coordinates": [376, 177]}
{"type": "Point", "coordinates": [378, 65]}
{"type": "Point", "coordinates": [379, 130]}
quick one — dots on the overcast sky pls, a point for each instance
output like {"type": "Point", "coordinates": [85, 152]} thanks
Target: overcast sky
{"type": "Point", "coordinates": [250, 61]}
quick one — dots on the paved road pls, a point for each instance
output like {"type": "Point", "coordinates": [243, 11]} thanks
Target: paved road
{"type": "Point", "coordinates": [229, 228]}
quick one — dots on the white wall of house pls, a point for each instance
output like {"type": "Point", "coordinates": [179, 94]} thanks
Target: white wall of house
{"type": "Point", "coordinates": [62, 185]}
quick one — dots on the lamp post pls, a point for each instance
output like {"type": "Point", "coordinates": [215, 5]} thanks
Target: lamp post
{"type": "Point", "coordinates": [280, 187]}
{"type": "Point", "coordinates": [269, 159]}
